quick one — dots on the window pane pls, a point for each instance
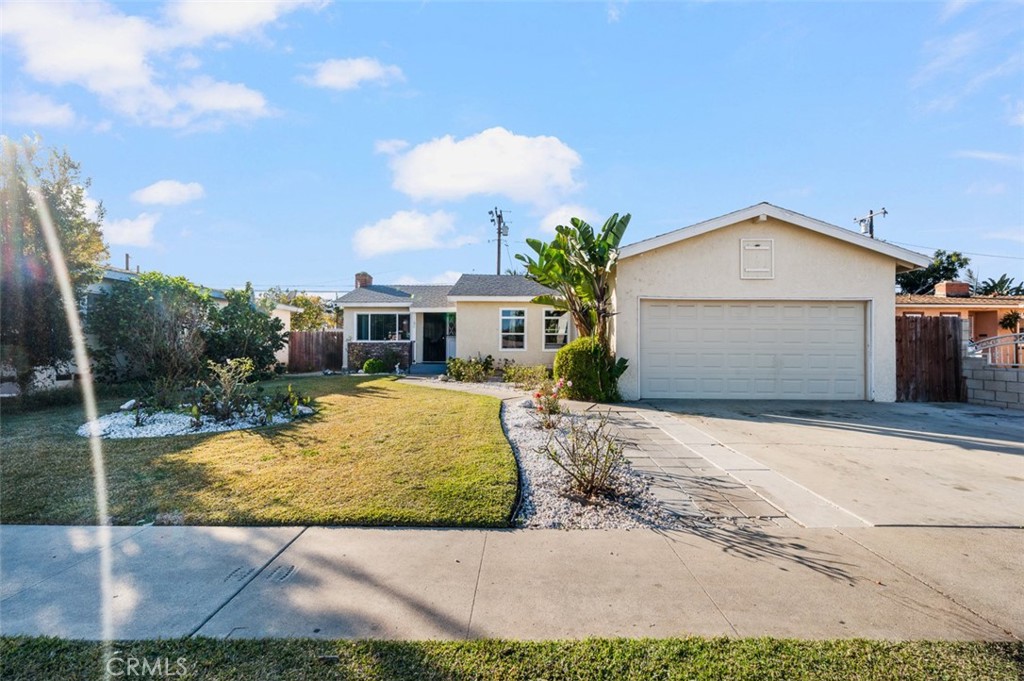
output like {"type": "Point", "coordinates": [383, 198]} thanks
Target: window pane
{"type": "Point", "coordinates": [382, 327]}
{"type": "Point", "coordinates": [513, 325]}
{"type": "Point", "coordinates": [403, 327]}
{"type": "Point", "coordinates": [513, 342]}
{"type": "Point", "coordinates": [362, 327]}
{"type": "Point", "coordinates": [556, 329]}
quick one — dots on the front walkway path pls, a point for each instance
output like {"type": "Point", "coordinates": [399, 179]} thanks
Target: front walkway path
{"type": "Point", "coordinates": [891, 583]}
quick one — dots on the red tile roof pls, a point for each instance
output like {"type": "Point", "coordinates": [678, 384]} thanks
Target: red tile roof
{"type": "Point", "coordinates": [972, 301]}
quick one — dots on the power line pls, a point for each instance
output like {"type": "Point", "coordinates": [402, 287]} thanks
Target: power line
{"type": "Point", "coordinates": [980, 255]}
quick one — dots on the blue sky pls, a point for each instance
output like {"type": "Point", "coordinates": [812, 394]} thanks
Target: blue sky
{"type": "Point", "coordinates": [295, 143]}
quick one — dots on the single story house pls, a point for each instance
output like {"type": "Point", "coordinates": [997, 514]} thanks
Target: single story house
{"type": "Point", "coordinates": [980, 314]}
{"type": "Point", "coordinates": [762, 303]}
{"type": "Point", "coordinates": [479, 315]}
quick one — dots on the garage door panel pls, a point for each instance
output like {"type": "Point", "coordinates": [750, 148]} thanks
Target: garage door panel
{"type": "Point", "coordinates": [763, 349]}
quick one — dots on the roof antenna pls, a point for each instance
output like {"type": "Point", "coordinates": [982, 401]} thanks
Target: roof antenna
{"type": "Point", "coordinates": [867, 223]}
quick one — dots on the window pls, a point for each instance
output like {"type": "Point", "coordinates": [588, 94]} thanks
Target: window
{"type": "Point", "coordinates": [513, 329]}
{"type": "Point", "coordinates": [556, 329]}
{"type": "Point", "coordinates": [382, 327]}
{"type": "Point", "coordinates": [950, 314]}
{"type": "Point", "coordinates": [913, 314]}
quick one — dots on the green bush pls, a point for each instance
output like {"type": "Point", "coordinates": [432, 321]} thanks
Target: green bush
{"type": "Point", "coordinates": [472, 370]}
{"type": "Point", "coordinates": [526, 377]}
{"type": "Point", "coordinates": [592, 372]}
{"type": "Point", "coordinates": [374, 366]}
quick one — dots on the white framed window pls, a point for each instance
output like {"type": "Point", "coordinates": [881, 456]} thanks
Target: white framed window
{"type": "Point", "coordinates": [556, 329]}
{"type": "Point", "coordinates": [757, 258]}
{"type": "Point", "coordinates": [382, 327]}
{"type": "Point", "coordinates": [513, 329]}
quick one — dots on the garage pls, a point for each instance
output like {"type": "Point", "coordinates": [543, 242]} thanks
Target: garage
{"type": "Point", "coordinates": [755, 349]}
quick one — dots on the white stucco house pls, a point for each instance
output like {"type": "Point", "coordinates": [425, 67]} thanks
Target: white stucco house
{"type": "Point", "coordinates": [762, 303]}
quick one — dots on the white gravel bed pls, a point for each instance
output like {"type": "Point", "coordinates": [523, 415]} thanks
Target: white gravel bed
{"type": "Point", "coordinates": [544, 503]}
{"type": "Point", "coordinates": [121, 425]}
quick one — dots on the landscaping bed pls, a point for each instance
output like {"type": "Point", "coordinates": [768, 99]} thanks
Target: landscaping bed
{"type": "Point", "coordinates": [377, 452]}
{"type": "Point", "coordinates": [690, 659]}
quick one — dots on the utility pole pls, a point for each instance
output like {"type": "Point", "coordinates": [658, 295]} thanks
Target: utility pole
{"type": "Point", "coordinates": [867, 223]}
{"type": "Point", "coordinates": [498, 220]}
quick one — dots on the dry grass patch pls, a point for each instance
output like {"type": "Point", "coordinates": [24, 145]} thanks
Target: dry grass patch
{"type": "Point", "coordinates": [378, 452]}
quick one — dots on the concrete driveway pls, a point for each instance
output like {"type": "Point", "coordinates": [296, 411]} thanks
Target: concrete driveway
{"type": "Point", "coordinates": [889, 464]}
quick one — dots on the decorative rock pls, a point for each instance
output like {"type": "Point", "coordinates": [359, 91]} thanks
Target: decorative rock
{"type": "Point", "coordinates": [527, 404]}
{"type": "Point", "coordinates": [9, 389]}
{"type": "Point", "coordinates": [129, 405]}
{"type": "Point", "coordinates": [303, 410]}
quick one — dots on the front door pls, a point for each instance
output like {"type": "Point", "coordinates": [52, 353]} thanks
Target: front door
{"type": "Point", "coordinates": [435, 337]}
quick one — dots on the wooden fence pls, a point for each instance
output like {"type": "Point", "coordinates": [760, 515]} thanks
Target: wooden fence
{"type": "Point", "coordinates": [929, 360]}
{"type": "Point", "coordinates": [315, 350]}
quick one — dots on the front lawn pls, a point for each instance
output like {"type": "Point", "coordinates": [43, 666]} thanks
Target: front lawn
{"type": "Point", "coordinates": [378, 452]}
{"type": "Point", "coordinates": [690, 659]}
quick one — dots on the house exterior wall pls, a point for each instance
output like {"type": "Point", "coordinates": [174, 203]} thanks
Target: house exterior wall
{"type": "Point", "coordinates": [807, 266]}
{"type": "Point", "coordinates": [286, 318]}
{"type": "Point", "coordinates": [982, 323]}
{"type": "Point", "coordinates": [478, 326]}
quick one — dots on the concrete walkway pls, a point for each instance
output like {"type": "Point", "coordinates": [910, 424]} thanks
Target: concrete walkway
{"type": "Point", "coordinates": [891, 583]}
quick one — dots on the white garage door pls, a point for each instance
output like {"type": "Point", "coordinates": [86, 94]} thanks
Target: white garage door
{"type": "Point", "coordinates": [752, 350]}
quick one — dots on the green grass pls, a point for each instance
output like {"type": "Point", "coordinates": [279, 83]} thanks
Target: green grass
{"type": "Point", "coordinates": [378, 452]}
{"type": "Point", "coordinates": [691, 659]}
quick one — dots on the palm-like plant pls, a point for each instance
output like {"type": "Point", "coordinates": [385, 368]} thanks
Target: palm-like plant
{"type": "Point", "coordinates": [1003, 286]}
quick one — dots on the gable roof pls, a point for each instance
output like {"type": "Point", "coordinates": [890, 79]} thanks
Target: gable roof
{"type": "Point", "coordinates": [496, 286]}
{"type": "Point", "coordinates": [412, 295]}
{"type": "Point", "coordinates": [906, 260]}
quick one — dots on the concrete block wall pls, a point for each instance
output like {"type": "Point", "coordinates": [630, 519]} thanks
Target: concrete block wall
{"type": "Point", "coordinates": [994, 386]}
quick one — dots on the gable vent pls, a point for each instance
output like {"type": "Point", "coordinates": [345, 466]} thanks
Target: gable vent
{"type": "Point", "coordinates": [757, 258]}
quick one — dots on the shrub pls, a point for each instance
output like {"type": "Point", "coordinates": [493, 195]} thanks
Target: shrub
{"type": "Point", "coordinates": [228, 394]}
{"type": "Point", "coordinates": [546, 399]}
{"type": "Point", "coordinates": [588, 453]}
{"type": "Point", "coordinates": [374, 366]}
{"type": "Point", "coordinates": [241, 329]}
{"type": "Point", "coordinates": [591, 373]}
{"type": "Point", "coordinates": [526, 377]}
{"type": "Point", "coordinates": [472, 370]}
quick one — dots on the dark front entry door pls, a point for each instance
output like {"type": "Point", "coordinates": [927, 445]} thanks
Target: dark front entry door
{"type": "Point", "coordinates": [435, 338]}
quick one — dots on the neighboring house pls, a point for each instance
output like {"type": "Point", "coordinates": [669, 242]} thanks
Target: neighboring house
{"type": "Point", "coordinates": [980, 314]}
{"type": "Point", "coordinates": [479, 315]}
{"type": "Point", "coordinates": [762, 303]}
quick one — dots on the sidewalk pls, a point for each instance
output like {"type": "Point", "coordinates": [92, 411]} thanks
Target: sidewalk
{"type": "Point", "coordinates": [890, 583]}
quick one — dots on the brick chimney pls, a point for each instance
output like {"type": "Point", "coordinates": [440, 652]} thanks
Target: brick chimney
{"type": "Point", "coordinates": [363, 280]}
{"type": "Point", "coordinates": [953, 289]}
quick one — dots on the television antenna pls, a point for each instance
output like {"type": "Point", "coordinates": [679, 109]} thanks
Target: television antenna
{"type": "Point", "coordinates": [867, 223]}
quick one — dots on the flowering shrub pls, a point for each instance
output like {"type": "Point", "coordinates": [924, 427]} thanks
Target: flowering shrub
{"type": "Point", "coordinates": [589, 453]}
{"type": "Point", "coordinates": [547, 401]}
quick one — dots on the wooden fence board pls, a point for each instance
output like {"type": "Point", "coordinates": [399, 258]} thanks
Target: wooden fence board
{"type": "Point", "coordinates": [315, 350]}
{"type": "Point", "coordinates": [929, 360]}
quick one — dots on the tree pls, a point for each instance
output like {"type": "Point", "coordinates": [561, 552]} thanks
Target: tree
{"type": "Point", "coordinates": [242, 329]}
{"type": "Point", "coordinates": [151, 329]}
{"type": "Point", "coordinates": [33, 328]}
{"type": "Point", "coordinates": [944, 267]}
{"type": "Point", "coordinates": [579, 264]}
{"type": "Point", "coordinates": [314, 311]}
{"type": "Point", "coordinates": [1003, 286]}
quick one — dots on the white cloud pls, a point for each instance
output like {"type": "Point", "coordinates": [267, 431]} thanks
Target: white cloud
{"type": "Point", "coordinates": [389, 147]}
{"type": "Point", "coordinates": [128, 232]}
{"type": "Point", "coordinates": [1016, 235]}
{"type": "Point", "coordinates": [169, 193]}
{"type": "Point", "coordinates": [530, 169]}
{"type": "Point", "coordinates": [990, 156]}
{"type": "Point", "coordinates": [349, 74]}
{"type": "Point", "coordinates": [562, 215]}
{"type": "Point", "coordinates": [1017, 113]}
{"type": "Point", "coordinates": [134, 65]}
{"type": "Point", "coordinates": [92, 207]}
{"type": "Point", "coordinates": [38, 110]}
{"type": "Point", "coordinates": [613, 10]}
{"type": "Point", "coordinates": [446, 277]}
{"type": "Point", "coordinates": [408, 230]}
{"type": "Point", "coordinates": [953, 8]}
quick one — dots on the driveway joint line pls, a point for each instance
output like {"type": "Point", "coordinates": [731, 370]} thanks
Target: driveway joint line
{"type": "Point", "coordinates": [702, 587]}
{"type": "Point", "coordinates": [86, 556]}
{"type": "Point", "coordinates": [930, 586]}
{"type": "Point", "coordinates": [246, 583]}
{"type": "Point", "coordinates": [476, 588]}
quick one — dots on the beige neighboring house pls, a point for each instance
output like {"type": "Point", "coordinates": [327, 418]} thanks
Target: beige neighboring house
{"type": "Point", "coordinates": [980, 314]}
{"type": "Point", "coordinates": [762, 303]}
{"type": "Point", "coordinates": [479, 315]}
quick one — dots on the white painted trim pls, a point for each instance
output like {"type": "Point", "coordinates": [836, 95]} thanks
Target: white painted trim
{"type": "Point", "coordinates": [869, 350]}
{"type": "Point", "coordinates": [363, 305]}
{"type": "Point", "coordinates": [526, 335]}
{"type": "Point", "coordinates": [543, 329]}
{"type": "Point", "coordinates": [433, 310]}
{"type": "Point", "coordinates": [397, 315]}
{"type": "Point", "coordinates": [288, 308]}
{"type": "Point", "coordinates": [908, 259]}
{"type": "Point", "coordinates": [493, 299]}
{"type": "Point", "coordinates": [983, 307]}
